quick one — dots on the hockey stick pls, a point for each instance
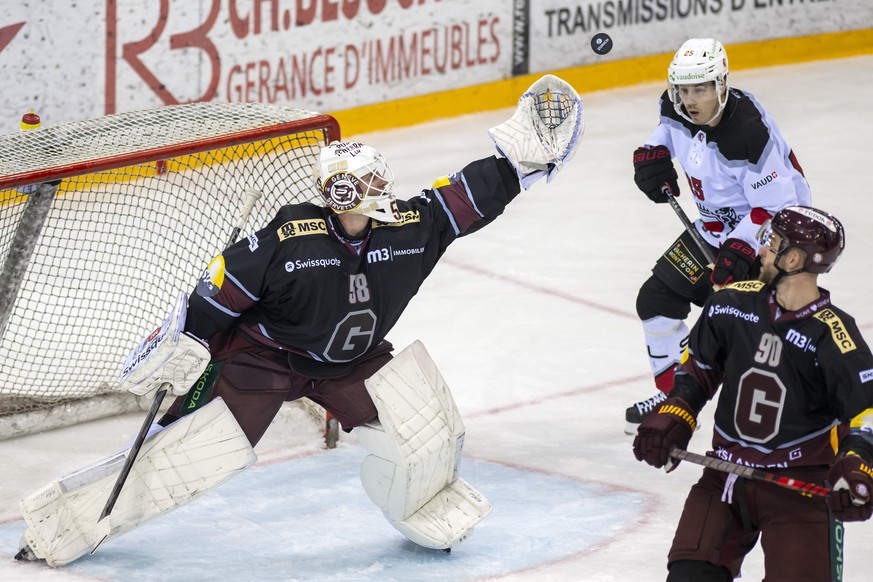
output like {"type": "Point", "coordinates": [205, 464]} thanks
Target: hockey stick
{"type": "Point", "coordinates": [836, 537]}
{"type": "Point", "coordinates": [702, 244]}
{"type": "Point", "coordinates": [252, 196]}
{"type": "Point", "coordinates": [131, 457]}
{"type": "Point", "coordinates": [802, 487]}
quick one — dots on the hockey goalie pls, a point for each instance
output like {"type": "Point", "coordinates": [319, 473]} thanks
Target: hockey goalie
{"type": "Point", "coordinates": [299, 309]}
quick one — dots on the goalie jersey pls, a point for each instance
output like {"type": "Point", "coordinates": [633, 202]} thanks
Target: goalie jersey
{"type": "Point", "coordinates": [791, 382]}
{"type": "Point", "coordinates": [300, 284]}
{"type": "Point", "coordinates": [740, 172]}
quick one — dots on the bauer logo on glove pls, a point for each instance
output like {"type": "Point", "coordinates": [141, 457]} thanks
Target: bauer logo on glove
{"type": "Point", "coordinates": [654, 173]}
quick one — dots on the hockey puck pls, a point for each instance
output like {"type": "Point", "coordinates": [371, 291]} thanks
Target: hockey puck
{"type": "Point", "coordinates": [601, 43]}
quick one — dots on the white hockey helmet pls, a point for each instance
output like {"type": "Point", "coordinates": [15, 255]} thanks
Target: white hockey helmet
{"type": "Point", "coordinates": [355, 178]}
{"type": "Point", "coordinates": [699, 60]}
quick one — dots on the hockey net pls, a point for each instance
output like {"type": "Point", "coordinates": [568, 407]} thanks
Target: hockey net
{"type": "Point", "coordinates": [146, 199]}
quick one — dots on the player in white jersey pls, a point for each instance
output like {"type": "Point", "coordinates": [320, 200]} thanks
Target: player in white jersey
{"type": "Point", "coordinates": [740, 171]}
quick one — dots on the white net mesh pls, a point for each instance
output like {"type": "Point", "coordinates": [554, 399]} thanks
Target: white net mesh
{"type": "Point", "coordinates": [87, 271]}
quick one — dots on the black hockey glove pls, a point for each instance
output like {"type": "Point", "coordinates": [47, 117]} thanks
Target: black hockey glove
{"type": "Point", "coordinates": [671, 425]}
{"type": "Point", "coordinates": [733, 263]}
{"type": "Point", "coordinates": [653, 171]}
{"type": "Point", "coordinates": [852, 480]}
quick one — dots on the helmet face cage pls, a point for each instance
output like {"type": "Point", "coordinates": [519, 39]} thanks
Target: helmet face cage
{"type": "Point", "coordinates": [698, 60]}
{"type": "Point", "coordinates": [355, 178]}
{"type": "Point", "coordinates": [817, 233]}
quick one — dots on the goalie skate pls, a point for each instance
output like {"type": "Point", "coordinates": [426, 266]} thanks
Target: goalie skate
{"type": "Point", "coordinates": [25, 553]}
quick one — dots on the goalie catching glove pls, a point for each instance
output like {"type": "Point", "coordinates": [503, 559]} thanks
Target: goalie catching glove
{"type": "Point", "coordinates": [543, 133]}
{"type": "Point", "coordinates": [168, 355]}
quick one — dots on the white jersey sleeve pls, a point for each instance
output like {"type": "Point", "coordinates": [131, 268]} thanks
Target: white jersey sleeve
{"type": "Point", "coordinates": [740, 172]}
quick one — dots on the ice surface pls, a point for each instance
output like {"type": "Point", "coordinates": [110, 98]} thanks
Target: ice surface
{"type": "Point", "coordinates": [533, 326]}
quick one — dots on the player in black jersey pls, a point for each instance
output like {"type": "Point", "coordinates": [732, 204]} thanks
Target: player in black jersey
{"type": "Point", "coordinates": [740, 172]}
{"type": "Point", "coordinates": [301, 308]}
{"type": "Point", "coordinates": [796, 397]}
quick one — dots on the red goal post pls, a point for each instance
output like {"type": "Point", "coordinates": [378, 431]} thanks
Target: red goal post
{"type": "Point", "coordinates": [145, 200]}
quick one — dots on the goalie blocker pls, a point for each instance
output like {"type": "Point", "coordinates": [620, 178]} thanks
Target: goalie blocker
{"type": "Point", "coordinates": [169, 355]}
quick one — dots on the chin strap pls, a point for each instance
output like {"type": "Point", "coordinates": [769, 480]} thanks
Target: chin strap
{"type": "Point", "coordinates": [782, 272]}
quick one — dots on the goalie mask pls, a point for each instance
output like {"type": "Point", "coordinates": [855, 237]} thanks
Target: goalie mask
{"type": "Point", "coordinates": [699, 60]}
{"type": "Point", "coordinates": [355, 178]}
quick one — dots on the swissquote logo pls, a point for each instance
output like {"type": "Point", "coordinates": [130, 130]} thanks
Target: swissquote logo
{"type": "Point", "coordinates": [292, 266]}
{"type": "Point", "coordinates": [732, 312]}
{"type": "Point", "coordinates": [151, 343]}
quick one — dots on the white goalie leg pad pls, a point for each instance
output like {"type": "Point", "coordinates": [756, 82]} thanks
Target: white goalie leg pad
{"type": "Point", "coordinates": [412, 471]}
{"type": "Point", "coordinates": [188, 458]}
{"type": "Point", "coordinates": [544, 132]}
{"type": "Point", "coordinates": [448, 518]}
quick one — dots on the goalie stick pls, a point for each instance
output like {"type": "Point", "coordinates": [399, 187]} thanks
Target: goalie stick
{"type": "Point", "coordinates": [802, 487]}
{"type": "Point", "coordinates": [689, 226]}
{"type": "Point", "coordinates": [252, 196]}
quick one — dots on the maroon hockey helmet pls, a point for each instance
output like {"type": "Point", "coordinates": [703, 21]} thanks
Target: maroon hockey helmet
{"type": "Point", "coordinates": [817, 233]}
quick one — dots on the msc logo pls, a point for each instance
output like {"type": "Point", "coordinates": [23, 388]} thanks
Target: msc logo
{"type": "Point", "coordinates": [405, 218]}
{"type": "Point", "coordinates": [295, 228]}
{"type": "Point", "coordinates": [747, 285]}
{"type": "Point", "coordinates": [838, 330]}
